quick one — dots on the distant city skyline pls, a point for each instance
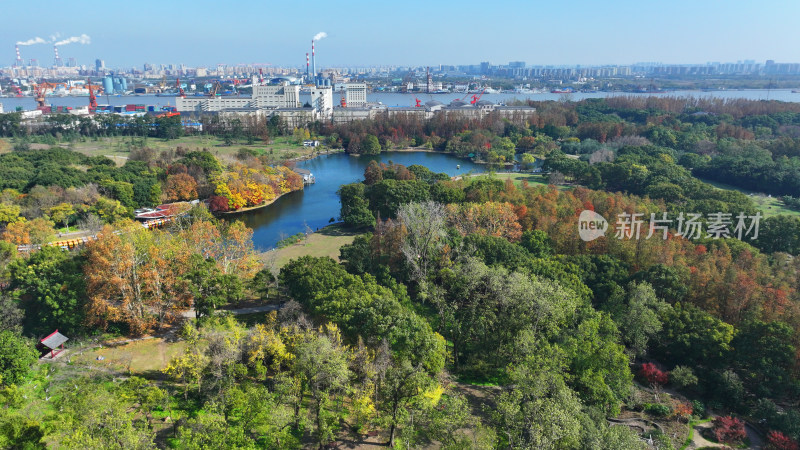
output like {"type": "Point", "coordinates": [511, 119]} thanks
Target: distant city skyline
{"type": "Point", "coordinates": [411, 33]}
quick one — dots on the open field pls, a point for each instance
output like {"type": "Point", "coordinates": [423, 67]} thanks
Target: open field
{"type": "Point", "coordinates": [769, 206]}
{"type": "Point", "coordinates": [147, 355]}
{"type": "Point", "coordinates": [533, 179]}
{"type": "Point", "coordinates": [118, 147]}
{"type": "Point", "coordinates": [325, 242]}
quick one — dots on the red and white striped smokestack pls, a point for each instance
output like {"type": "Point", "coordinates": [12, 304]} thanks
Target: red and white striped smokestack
{"type": "Point", "coordinates": [307, 66]}
{"type": "Point", "coordinates": [58, 59]}
{"type": "Point", "coordinates": [19, 58]}
{"type": "Point", "coordinates": [313, 63]}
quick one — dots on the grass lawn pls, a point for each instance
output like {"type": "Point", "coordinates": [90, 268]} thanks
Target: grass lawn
{"type": "Point", "coordinates": [325, 242]}
{"type": "Point", "coordinates": [147, 355]}
{"type": "Point", "coordinates": [533, 179]}
{"type": "Point", "coordinates": [769, 206]}
{"type": "Point", "coordinates": [118, 147]}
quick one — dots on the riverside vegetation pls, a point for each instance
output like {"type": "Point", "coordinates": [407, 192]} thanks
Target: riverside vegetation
{"type": "Point", "coordinates": [466, 313]}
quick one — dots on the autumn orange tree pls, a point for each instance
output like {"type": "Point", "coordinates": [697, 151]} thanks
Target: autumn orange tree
{"type": "Point", "coordinates": [38, 231]}
{"type": "Point", "coordinates": [229, 244]}
{"type": "Point", "coordinates": [180, 186]}
{"type": "Point", "coordinates": [489, 218]}
{"type": "Point", "coordinates": [134, 276]}
{"type": "Point", "coordinates": [244, 186]}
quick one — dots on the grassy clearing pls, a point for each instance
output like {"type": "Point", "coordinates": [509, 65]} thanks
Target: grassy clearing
{"type": "Point", "coordinates": [769, 206]}
{"type": "Point", "coordinates": [325, 242]}
{"type": "Point", "coordinates": [143, 356]}
{"type": "Point", "coordinates": [532, 179]}
{"type": "Point", "coordinates": [251, 320]}
{"type": "Point", "coordinates": [119, 147]}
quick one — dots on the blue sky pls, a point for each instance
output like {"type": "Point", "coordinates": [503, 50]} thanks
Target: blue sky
{"type": "Point", "coordinates": [410, 32]}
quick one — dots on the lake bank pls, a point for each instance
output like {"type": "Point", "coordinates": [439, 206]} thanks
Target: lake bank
{"type": "Point", "coordinates": [315, 206]}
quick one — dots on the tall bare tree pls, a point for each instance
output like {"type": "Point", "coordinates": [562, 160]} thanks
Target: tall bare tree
{"type": "Point", "coordinates": [425, 223]}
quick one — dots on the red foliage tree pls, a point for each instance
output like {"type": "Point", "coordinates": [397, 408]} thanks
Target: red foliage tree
{"type": "Point", "coordinates": [683, 410]}
{"type": "Point", "coordinates": [729, 430]}
{"type": "Point", "coordinates": [653, 374]}
{"type": "Point", "coordinates": [779, 441]}
{"type": "Point", "coordinates": [217, 203]}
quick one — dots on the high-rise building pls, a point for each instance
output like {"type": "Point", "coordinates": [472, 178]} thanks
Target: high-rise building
{"type": "Point", "coordinates": [99, 65]}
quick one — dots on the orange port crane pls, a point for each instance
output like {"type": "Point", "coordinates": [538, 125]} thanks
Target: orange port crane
{"type": "Point", "coordinates": [39, 91]}
{"type": "Point", "coordinates": [92, 98]}
{"type": "Point", "coordinates": [476, 98]}
{"type": "Point", "coordinates": [180, 89]}
{"type": "Point", "coordinates": [213, 91]}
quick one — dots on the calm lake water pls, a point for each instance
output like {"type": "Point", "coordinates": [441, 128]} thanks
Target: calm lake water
{"type": "Point", "coordinates": [318, 203]}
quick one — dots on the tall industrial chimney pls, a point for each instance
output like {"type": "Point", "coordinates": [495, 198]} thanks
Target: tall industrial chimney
{"type": "Point", "coordinates": [57, 62]}
{"type": "Point", "coordinates": [314, 63]}
{"type": "Point", "coordinates": [307, 69]}
{"type": "Point", "coordinates": [18, 62]}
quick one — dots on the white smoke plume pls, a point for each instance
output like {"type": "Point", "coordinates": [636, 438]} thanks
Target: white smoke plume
{"type": "Point", "coordinates": [320, 35]}
{"type": "Point", "coordinates": [82, 39]}
{"type": "Point", "coordinates": [34, 41]}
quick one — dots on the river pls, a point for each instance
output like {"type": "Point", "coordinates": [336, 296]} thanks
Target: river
{"type": "Point", "coordinates": [398, 99]}
{"type": "Point", "coordinates": [318, 203]}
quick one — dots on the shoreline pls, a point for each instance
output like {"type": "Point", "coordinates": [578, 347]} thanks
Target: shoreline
{"type": "Point", "coordinates": [263, 205]}
{"type": "Point", "coordinates": [427, 150]}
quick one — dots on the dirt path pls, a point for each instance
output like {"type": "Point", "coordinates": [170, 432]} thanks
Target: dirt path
{"type": "Point", "coordinates": [189, 314]}
{"type": "Point", "coordinates": [698, 441]}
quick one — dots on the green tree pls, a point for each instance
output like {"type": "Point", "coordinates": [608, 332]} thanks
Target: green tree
{"type": "Point", "coordinates": [370, 145]}
{"type": "Point", "coordinates": [764, 357]}
{"type": "Point", "coordinates": [61, 213]}
{"type": "Point", "coordinates": [210, 287]}
{"type": "Point", "coordinates": [9, 213]}
{"type": "Point", "coordinates": [538, 410]}
{"type": "Point", "coordinates": [599, 368]}
{"type": "Point", "coordinates": [355, 210]}
{"type": "Point", "coordinates": [639, 317]}
{"type": "Point", "coordinates": [17, 355]}
{"type": "Point", "coordinates": [321, 364]}
{"type": "Point", "coordinates": [693, 337]}
{"type": "Point", "coordinates": [51, 289]}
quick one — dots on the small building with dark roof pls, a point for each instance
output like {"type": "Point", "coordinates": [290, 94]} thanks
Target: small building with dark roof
{"type": "Point", "coordinates": [53, 344]}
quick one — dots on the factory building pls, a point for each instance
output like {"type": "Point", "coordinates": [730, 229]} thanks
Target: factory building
{"type": "Point", "coordinates": [345, 115]}
{"type": "Point", "coordinates": [516, 114]}
{"type": "Point", "coordinates": [291, 117]}
{"type": "Point", "coordinates": [355, 95]}
{"type": "Point", "coordinates": [266, 97]}
{"type": "Point", "coordinates": [320, 98]}
{"type": "Point", "coordinates": [277, 96]}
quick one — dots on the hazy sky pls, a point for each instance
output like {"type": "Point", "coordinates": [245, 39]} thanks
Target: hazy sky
{"type": "Point", "coordinates": [410, 32]}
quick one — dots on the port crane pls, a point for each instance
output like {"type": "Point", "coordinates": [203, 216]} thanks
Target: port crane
{"type": "Point", "coordinates": [39, 91]}
{"type": "Point", "coordinates": [419, 102]}
{"type": "Point", "coordinates": [180, 89]}
{"type": "Point", "coordinates": [476, 98]}
{"type": "Point", "coordinates": [92, 98]}
{"type": "Point", "coordinates": [213, 91]}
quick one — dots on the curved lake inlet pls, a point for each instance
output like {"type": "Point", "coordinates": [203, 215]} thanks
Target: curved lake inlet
{"type": "Point", "coordinates": [314, 207]}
